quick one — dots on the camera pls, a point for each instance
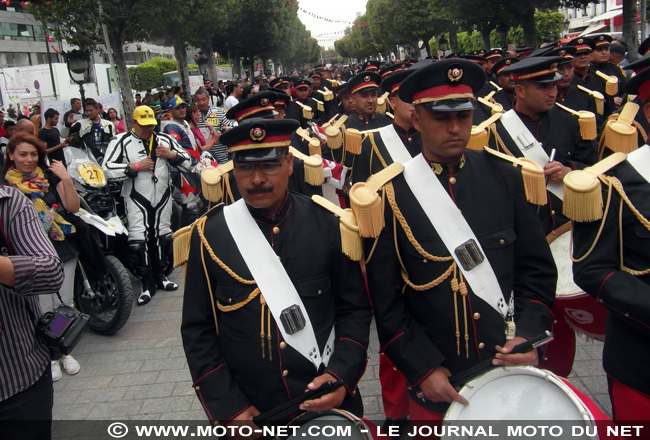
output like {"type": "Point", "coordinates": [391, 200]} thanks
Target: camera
{"type": "Point", "coordinates": [63, 328]}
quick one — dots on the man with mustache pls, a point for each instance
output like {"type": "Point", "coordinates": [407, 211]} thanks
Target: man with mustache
{"type": "Point", "coordinates": [274, 307]}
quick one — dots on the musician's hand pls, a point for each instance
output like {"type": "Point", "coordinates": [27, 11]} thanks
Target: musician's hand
{"type": "Point", "coordinates": [555, 171]}
{"type": "Point", "coordinates": [327, 401]}
{"type": "Point", "coordinates": [436, 387]}
{"type": "Point", "coordinates": [245, 418]}
{"type": "Point", "coordinates": [503, 358]}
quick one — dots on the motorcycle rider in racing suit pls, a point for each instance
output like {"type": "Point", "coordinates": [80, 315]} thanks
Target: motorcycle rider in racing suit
{"type": "Point", "coordinates": [141, 159]}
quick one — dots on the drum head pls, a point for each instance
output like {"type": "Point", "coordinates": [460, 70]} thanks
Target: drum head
{"type": "Point", "coordinates": [518, 393]}
{"type": "Point", "coordinates": [333, 424]}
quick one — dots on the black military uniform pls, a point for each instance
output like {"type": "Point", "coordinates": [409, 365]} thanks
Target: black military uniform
{"type": "Point", "coordinates": [362, 82]}
{"type": "Point", "coordinates": [232, 367]}
{"type": "Point", "coordinates": [555, 129]}
{"type": "Point", "coordinates": [608, 68]}
{"type": "Point", "coordinates": [504, 97]}
{"type": "Point", "coordinates": [416, 322]}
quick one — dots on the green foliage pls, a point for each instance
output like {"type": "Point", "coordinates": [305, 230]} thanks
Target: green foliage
{"type": "Point", "coordinates": [163, 65]}
{"type": "Point", "coordinates": [148, 74]}
{"type": "Point", "coordinates": [468, 42]}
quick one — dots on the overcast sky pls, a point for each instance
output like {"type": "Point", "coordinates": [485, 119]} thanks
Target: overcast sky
{"type": "Point", "coordinates": [324, 31]}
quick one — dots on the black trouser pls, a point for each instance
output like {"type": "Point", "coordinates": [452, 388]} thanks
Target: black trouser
{"type": "Point", "coordinates": [28, 414]}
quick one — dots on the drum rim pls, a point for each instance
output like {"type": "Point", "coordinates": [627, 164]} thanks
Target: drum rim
{"type": "Point", "coordinates": [308, 416]}
{"type": "Point", "coordinates": [478, 382]}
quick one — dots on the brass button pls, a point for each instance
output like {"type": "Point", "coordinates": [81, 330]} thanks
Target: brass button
{"type": "Point", "coordinates": [319, 292]}
{"type": "Point", "coordinates": [215, 423]}
{"type": "Point", "coordinates": [285, 373]}
{"type": "Point", "coordinates": [394, 368]}
{"type": "Point", "coordinates": [410, 139]}
{"type": "Point", "coordinates": [283, 345]}
{"type": "Point", "coordinates": [425, 260]}
{"type": "Point", "coordinates": [276, 230]}
{"type": "Point", "coordinates": [229, 300]}
{"type": "Point", "coordinates": [452, 180]}
{"type": "Point", "coordinates": [477, 316]}
{"type": "Point", "coordinates": [552, 211]}
{"type": "Point", "coordinates": [502, 242]}
{"type": "Point", "coordinates": [197, 388]}
{"type": "Point", "coordinates": [481, 345]}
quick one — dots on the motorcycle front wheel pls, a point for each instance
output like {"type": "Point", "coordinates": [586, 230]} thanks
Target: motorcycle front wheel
{"type": "Point", "coordinates": [111, 305]}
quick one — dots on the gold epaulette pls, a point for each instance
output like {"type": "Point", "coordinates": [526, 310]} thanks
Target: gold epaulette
{"type": "Point", "coordinates": [351, 243]}
{"type": "Point", "coordinates": [328, 95]}
{"type": "Point", "coordinates": [213, 181]}
{"type": "Point", "coordinates": [352, 140]}
{"type": "Point", "coordinates": [382, 103]}
{"type": "Point", "coordinates": [307, 111]}
{"type": "Point", "coordinates": [586, 121]}
{"type": "Point", "coordinates": [583, 200]}
{"type": "Point", "coordinates": [611, 83]}
{"type": "Point", "coordinates": [334, 132]}
{"type": "Point", "coordinates": [320, 106]}
{"type": "Point", "coordinates": [496, 86]}
{"type": "Point", "coordinates": [313, 167]}
{"type": "Point", "coordinates": [599, 99]}
{"type": "Point", "coordinates": [390, 115]}
{"type": "Point", "coordinates": [488, 101]}
{"type": "Point", "coordinates": [314, 144]}
{"type": "Point", "coordinates": [480, 136]}
{"type": "Point", "coordinates": [366, 204]}
{"type": "Point", "coordinates": [620, 133]}
{"type": "Point", "coordinates": [532, 174]}
{"type": "Point", "coordinates": [183, 238]}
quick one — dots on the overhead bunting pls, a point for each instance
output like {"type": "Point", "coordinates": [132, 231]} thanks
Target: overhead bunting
{"type": "Point", "coordinates": [293, 5]}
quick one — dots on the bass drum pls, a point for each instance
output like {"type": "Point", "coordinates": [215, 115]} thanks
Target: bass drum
{"type": "Point", "coordinates": [573, 309]}
{"type": "Point", "coordinates": [332, 424]}
{"type": "Point", "coordinates": [521, 393]}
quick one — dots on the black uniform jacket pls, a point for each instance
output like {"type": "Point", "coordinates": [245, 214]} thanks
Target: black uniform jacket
{"type": "Point", "coordinates": [227, 367]}
{"type": "Point", "coordinates": [417, 328]}
{"type": "Point", "coordinates": [626, 354]}
{"type": "Point", "coordinates": [374, 158]}
{"type": "Point", "coordinates": [505, 98]}
{"type": "Point", "coordinates": [593, 82]}
{"type": "Point", "coordinates": [554, 129]}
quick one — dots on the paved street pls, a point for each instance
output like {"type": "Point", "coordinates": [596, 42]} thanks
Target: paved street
{"type": "Point", "coordinates": [141, 372]}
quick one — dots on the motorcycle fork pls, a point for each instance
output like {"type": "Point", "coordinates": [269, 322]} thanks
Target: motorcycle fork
{"type": "Point", "coordinates": [88, 292]}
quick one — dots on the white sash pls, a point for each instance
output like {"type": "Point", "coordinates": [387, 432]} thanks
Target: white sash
{"type": "Point", "coordinates": [640, 161]}
{"type": "Point", "coordinates": [453, 229]}
{"type": "Point", "coordinates": [529, 147]}
{"type": "Point", "coordinates": [273, 281]}
{"type": "Point", "coordinates": [394, 144]}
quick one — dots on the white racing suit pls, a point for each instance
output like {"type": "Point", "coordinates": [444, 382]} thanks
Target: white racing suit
{"type": "Point", "coordinates": [147, 197]}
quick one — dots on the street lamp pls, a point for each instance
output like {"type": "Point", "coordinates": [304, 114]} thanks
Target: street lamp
{"type": "Point", "coordinates": [137, 83]}
{"type": "Point", "coordinates": [78, 62]}
{"type": "Point", "coordinates": [202, 62]}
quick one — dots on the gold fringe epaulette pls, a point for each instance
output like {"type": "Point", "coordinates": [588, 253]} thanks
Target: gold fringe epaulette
{"type": "Point", "coordinates": [620, 133]}
{"type": "Point", "coordinates": [367, 206]}
{"type": "Point", "coordinates": [599, 99]}
{"type": "Point", "coordinates": [532, 174]}
{"type": "Point", "coordinates": [313, 167]}
{"type": "Point", "coordinates": [382, 103]}
{"type": "Point", "coordinates": [320, 106]}
{"type": "Point", "coordinates": [307, 111]}
{"type": "Point", "coordinates": [214, 180]}
{"type": "Point", "coordinates": [352, 139]}
{"type": "Point", "coordinates": [351, 243]}
{"type": "Point", "coordinates": [480, 135]}
{"type": "Point", "coordinates": [314, 144]}
{"type": "Point", "coordinates": [586, 122]}
{"type": "Point", "coordinates": [611, 83]}
{"type": "Point", "coordinates": [334, 132]}
{"type": "Point", "coordinates": [583, 201]}
{"type": "Point", "coordinates": [183, 238]}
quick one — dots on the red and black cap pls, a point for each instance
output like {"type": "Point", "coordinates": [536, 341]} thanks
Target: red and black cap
{"type": "Point", "coordinates": [258, 140]}
{"type": "Point", "coordinates": [566, 52]}
{"type": "Point", "coordinates": [342, 90]}
{"type": "Point", "coordinates": [444, 86]}
{"type": "Point", "coordinates": [524, 51]}
{"type": "Point", "coordinates": [478, 59]}
{"type": "Point", "coordinates": [260, 105]}
{"type": "Point", "coordinates": [494, 53]}
{"type": "Point", "coordinates": [639, 85]}
{"type": "Point", "coordinates": [316, 74]}
{"type": "Point", "coordinates": [453, 55]}
{"type": "Point", "coordinates": [371, 66]}
{"type": "Point", "coordinates": [280, 81]}
{"type": "Point", "coordinates": [283, 97]}
{"type": "Point", "coordinates": [503, 63]}
{"type": "Point", "coordinates": [388, 70]}
{"type": "Point", "coordinates": [602, 40]}
{"type": "Point", "coordinates": [364, 81]}
{"type": "Point", "coordinates": [393, 82]}
{"type": "Point", "coordinates": [639, 65]}
{"type": "Point", "coordinates": [303, 83]}
{"type": "Point", "coordinates": [582, 45]}
{"type": "Point", "coordinates": [535, 69]}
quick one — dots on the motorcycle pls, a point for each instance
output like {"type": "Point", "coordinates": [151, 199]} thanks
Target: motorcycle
{"type": "Point", "coordinates": [108, 298]}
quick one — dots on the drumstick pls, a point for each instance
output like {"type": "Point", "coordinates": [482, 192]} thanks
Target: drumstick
{"type": "Point", "coordinates": [281, 412]}
{"type": "Point", "coordinates": [485, 365]}
{"type": "Point", "coordinates": [550, 159]}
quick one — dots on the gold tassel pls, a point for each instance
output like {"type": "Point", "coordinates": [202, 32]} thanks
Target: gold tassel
{"type": "Point", "coordinates": [182, 240]}
{"type": "Point", "coordinates": [381, 103]}
{"type": "Point", "coordinates": [463, 293]}
{"type": "Point", "coordinates": [211, 185]}
{"type": "Point", "coordinates": [368, 210]}
{"type": "Point", "coordinates": [319, 105]}
{"type": "Point", "coordinates": [334, 137]}
{"type": "Point", "coordinates": [534, 182]}
{"type": "Point", "coordinates": [620, 135]}
{"type": "Point", "coordinates": [478, 139]}
{"type": "Point", "coordinates": [454, 289]}
{"type": "Point", "coordinates": [583, 200]}
{"type": "Point", "coordinates": [587, 123]}
{"type": "Point", "coordinates": [328, 95]}
{"type": "Point", "coordinates": [262, 336]}
{"type": "Point", "coordinates": [353, 141]}
{"type": "Point", "coordinates": [314, 170]}
{"type": "Point", "coordinates": [307, 112]}
{"type": "Point", "coordinates": [351, 243]}
{"type": "Point", "coordinates": [314, 147]}
{"type": "Point", "coordinates": [599, 99]}
{"type": "Point", "coordinates": [611, 83]}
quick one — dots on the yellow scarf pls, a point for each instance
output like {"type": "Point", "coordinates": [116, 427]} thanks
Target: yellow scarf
{"type": "Point", "coordinates": [35, 186]}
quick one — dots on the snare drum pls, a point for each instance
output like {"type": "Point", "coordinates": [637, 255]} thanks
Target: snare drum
{"type": "Point", "coordinates": [573, 309]}
{"type": "Point", "coordinates": [333, 424]}
{"type": "Point", "coordinates": [520, 393]}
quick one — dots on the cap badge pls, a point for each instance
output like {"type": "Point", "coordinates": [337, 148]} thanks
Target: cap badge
{"type": "Point", "coordinates": [257, 133]}
{"type": "Point", "coordinates": [562, 52]}
{"type": "Point", "coordinates": [601, 38]}
{"type": "Point", "coordinates": [508, 62]}
{"type": "Point", "coordinates": [366, 78]}
{"type": "Point", "coordinates": [455, 74]}
{"type": "Point", "coordinates": [264, 102]}
{"type": "Point", "coordinates": [581, 40]}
